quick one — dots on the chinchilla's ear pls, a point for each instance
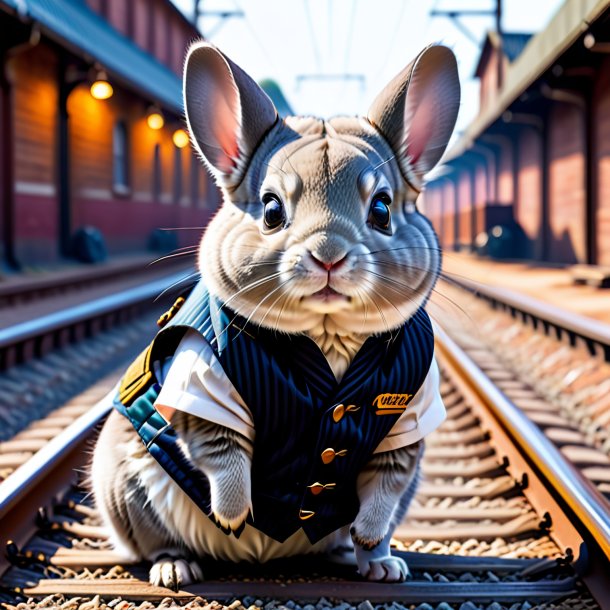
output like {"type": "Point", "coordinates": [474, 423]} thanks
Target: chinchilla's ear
{"type": "Point", "coordinates": [227, 113]}
{"type": "Point", "coordinates": [416, 111]}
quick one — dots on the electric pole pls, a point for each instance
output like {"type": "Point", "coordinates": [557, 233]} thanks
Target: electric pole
{"type": "Point", "coordinates": [455, 14]}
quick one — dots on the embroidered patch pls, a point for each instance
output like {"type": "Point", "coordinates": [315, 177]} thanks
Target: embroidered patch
{"type": "Point", "coordinates": [171, 312]}
{"type": "Point", "coordinates": [136, 378]}
{"type": "Point", "coordinates": [391, 404]}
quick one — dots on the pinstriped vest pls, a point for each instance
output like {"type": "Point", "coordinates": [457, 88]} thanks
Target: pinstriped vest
{"type": "Point", "coordinates": [313, 435]}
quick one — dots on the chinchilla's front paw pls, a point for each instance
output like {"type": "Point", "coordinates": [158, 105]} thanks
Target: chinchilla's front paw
{"type": "Point", "coordinates": [376, 563]}
{"type": "Point", "coordinates": [231, 505]}
{"type": "Point", "coordinates": [174, 572]}
{"type": "Point", "coordinates": [384, 569]}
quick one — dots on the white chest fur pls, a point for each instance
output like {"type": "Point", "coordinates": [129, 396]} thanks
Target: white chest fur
{"type": "Point", "coordinates": [337, 344]}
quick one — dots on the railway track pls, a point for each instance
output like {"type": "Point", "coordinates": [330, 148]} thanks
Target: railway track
{"type": "Point", "coordinates": [500, 521]}
{"type": "Point", "coordinates": [92, 339]}
{"type": "Point", "coordinates": [32, 331]}
{"type": "Point", "coordinates": [554, 366]}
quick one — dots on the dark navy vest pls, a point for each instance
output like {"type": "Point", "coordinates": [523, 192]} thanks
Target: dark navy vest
{"type": "Point", "coordinates": [313, 435]}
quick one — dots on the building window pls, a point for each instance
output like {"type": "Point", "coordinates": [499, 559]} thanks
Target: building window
{"type": "Point", "coordinates": [120, 158]}
{"type": "Point", "coordinates": [177, 174]}
{"type": "Point", "coordinates": [157, 184]}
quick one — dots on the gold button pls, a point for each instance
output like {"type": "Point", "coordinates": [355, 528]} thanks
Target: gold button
{"type": "Point", "coordinates": [305, 514]}
{"type": "Point", "coordinates": [328, 455]}
{"type": "Point", "coordinates": [338, 413]}
{"type": "Point", "coordinates": [317, 488]}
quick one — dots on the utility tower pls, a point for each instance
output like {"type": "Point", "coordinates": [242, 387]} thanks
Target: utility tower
{"type": "Point", "coordinates": [455, 14]}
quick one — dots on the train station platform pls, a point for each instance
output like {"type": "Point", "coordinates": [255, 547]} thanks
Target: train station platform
{"type": "Point", "coordinates": [36, 282]}
{"type": "Point", "coordinates": [550, 284]}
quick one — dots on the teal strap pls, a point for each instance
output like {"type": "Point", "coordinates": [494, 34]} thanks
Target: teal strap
{"type": "Point", "coordinates": [146, 420]}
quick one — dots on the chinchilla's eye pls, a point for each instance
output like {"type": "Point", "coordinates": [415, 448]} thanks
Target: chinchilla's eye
{"type": "Point", "coordinates": [380, 211]}
{"type": "Point", "coordinates": [273, 212]}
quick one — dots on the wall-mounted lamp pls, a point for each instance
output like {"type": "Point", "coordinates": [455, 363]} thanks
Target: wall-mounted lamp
{"type": "Point", "coordinates": [180, 138]}
{"type": "Point", "coordinates": [101, 89]}
{"type": "Point", "coordinates": [155, 118]}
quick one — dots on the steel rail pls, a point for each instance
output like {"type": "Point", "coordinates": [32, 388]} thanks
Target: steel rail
{"type": "Point", "coordinates": [575, 325]}
{"type": "Point", "coordinates": [46, 324]}
{"type": "Point", "coordinates": [42, 464]}
{"type": "Point", "coordinates": [584, 500]}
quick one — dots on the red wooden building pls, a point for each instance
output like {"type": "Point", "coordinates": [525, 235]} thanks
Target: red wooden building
{"type": "Point", "coordinates": [538, 153]}
{"type": "Point", "coordinates": [69, 159]}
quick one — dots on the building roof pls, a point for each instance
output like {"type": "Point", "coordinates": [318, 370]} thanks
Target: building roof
{"type": "Point", "coordinates": [75, 26]}
{"type": "Point", "coordinates": [539, 54]}
{"type": "Point", "coordinates": [513, 44]}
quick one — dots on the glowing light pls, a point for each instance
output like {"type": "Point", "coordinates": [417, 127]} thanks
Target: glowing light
{"type": "Point", "coordinates": [180, 138]}
{"type": "Point", "coordinates": [101, 90]}
{"type": "Point", "coordinates": [155, 120]}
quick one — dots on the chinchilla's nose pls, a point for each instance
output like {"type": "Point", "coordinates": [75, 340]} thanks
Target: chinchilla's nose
{"type": "Point", "coordinates": [326, 265]}
{"type": "Point", "coordinates": [327, 251]}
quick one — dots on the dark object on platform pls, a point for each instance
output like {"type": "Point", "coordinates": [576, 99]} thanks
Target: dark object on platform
{"type": "Point", "coordinates": [504, 241]}
{"type": "Point", "coordinates": [592, 275]}
{"type": "Point", "coordinates": [498, 214]}
{"type": "Point", "coordinates": [89, 246]}
{"type": "Point", "coordinates": [162, 241]}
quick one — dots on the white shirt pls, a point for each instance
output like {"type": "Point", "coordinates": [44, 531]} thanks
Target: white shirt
{"type": "Point", "coordinates": [194, 381]}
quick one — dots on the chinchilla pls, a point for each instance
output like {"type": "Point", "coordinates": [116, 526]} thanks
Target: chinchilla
{"type": "Point", "coordinates": [318, 238]}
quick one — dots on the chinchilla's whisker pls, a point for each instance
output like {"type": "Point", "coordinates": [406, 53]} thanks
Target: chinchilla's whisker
{"type": "Point", "coordinates": [289, 295]}
{"type": "Point", "coordinates": [381, 314]}
{"type": "Point", "coordinates": [416, 289]}
{"type": "Point", "coordinates": [168, 256]}
{"type": "Point", "coordinates": [453, 303]}
{"type": "Point", "coordinates": [190, 276]}
{"type": "Point", "coordinates": [279, 169]}
{"type": "Point", "coordinates": [252, 285]}
{"type": "Point", "coordinates": [366, 309]}
{"type": "Point", "coordinates": [182, 228]}
{"type": "Point", "coordinates": [279, 287]}
{"type": "Point", "coordinates": [261, 263]}
{"type": "Point", "coordinates": [412, 247]}
{"type": "Point", "coordinates": [273, 304]}
{"type": "Point", "coordinates": [448, 300]}
{"type": "Point", "coordinates": [449, 276]}
{"type": "Point", "coordinates": [390, 281]}
{"type": "Point", "coordinates": [401, 265]}
{"type": "Point", "coordinates": [287, 158]}
{"type": "Point", "coordinates": [384, 162]}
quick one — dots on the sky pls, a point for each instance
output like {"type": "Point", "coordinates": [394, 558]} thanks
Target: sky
{"type": "Point", "coordinates": [371, 40]}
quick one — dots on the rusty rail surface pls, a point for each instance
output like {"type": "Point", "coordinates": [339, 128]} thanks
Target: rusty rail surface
{"type": "Point", "coordinates": [587, 504]}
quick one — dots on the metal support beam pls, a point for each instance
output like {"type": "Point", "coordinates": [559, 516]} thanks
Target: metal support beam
{"type": "Point", "coordinates": [69, 77]}
{"type": "Point", "coordinates": [455, 14]}
{"type": "Point", "coordinates": [14, 39]}
{"type": "Point", "coordinates": [7, 180]}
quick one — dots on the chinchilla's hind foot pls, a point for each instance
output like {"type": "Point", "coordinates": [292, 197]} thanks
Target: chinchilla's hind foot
{"type": "Point", "coordinates": [173, 571]}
